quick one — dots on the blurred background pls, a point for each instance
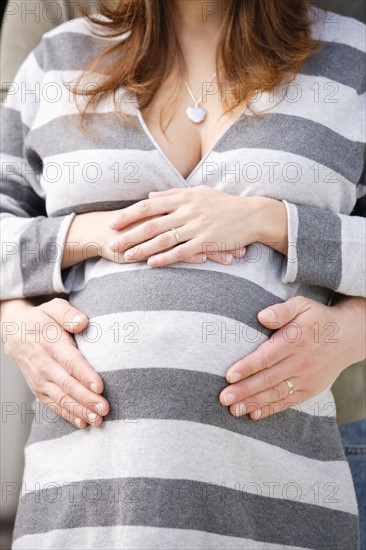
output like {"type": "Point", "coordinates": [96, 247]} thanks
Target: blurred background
{"type": "Point", "coordinates": [16, 399]}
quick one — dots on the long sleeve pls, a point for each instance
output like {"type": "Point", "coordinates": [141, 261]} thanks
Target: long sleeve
{"type": "Point", "coordinates": [31, 242]}
{"type": "Point", "coordinates": [327, 248]}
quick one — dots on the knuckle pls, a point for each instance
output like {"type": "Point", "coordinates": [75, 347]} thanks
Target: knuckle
{"type": "Point", "coordinates": [67, 384]}
{"type": "Point", "coordinates": [62, 400]}
{"type": "Point", "coordinates": [57, 301]}
{"type": "Point", "coordinates": [143, 206]}
{"type": "Point", "coordinates": [302, 302]}
{"type": "Point", "coordinates": [180, 253]}
{"type": "Point", "coordinates": [150, 228]}
{"type": "Point", "coordinates": [85, 399]}
{"type": "Point", "coordinates": [163, 240]}
{"type": "Point", "coordinates": [269, 379]}
{"type": "Point", "coordinates": [69, 364]}
{"type": "Point", "coordinates": [277, 393]}
{"type": "Point", "coordinates": [191, 210]}
{"type": "Point", "coordinates": [43, 370]}
{"type": "Point", "coordinates": [267, 360]}
{"type": "Point", "coordinates": [298, 300]}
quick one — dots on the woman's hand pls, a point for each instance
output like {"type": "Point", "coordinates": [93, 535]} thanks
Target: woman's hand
{"type": "Point", "coordinates": [52, 366]}
{"type": "Point", "coordinates": [312, 345]}
{"type": "Point", "coordinates": [89, 236]}
{"type": "Point", "coordinates": [208, 221]}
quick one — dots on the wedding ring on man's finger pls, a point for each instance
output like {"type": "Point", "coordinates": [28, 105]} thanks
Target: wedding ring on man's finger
{"type": "Point", "coordinates": [176, 234]}
{"type": "Point", "coordinates": [290, 386]}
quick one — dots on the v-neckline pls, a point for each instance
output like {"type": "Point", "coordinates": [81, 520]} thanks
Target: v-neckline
{"type": "Point", "coordinates": [184, 181]}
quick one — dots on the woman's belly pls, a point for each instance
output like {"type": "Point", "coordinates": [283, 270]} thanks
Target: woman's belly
{"type": "Point", "coordinates": [164, 338]}
{"type": "Point", "coordinates": [162, 341]}
{"type": "Point", "coordinates": [199, 318]}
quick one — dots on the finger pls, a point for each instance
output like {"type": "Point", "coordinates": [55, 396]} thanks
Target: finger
{"type": "Point", "coordinates": [279, 315]}
{"type": "Point", "coordinates": [70, 318]}
{"type": "Point", "coordinates": [199, 258]}
{"type": "Point", "coordinates": [73, 362]}
{"type": "Point", "coordinates": [158, 244]}
{"type": "Point", "coordinates": [72, 387]}
{"type": "Point", "coordinates": [66, 414]}
{"type": "Point", "coordinates": [257, 383]}
{"type": "Point", "coordinates": [224, 258]}
{"type": "Point", "coordinates": [144, 209]}
{"type": "Point", "coordinates": [59, 398]}
{"type": "Point", "coordinates": [173, 191]}
{"type": "Point", "coordinates": [177, 254]}
{"type": "Point", "coordinates": [268, 354]}
{"type": "Point", "coordinates": [63, 405]}
{"type": "Point", "coordinates": [144, 232]}
{"type": "Point", "coordinates": [273, 408]}
{"type": "Point", "coordinates": [238, 252]}
{"type": "Point", "coordinates": [259, 400]}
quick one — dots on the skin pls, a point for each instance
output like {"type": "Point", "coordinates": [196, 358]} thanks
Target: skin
{"type": "Point", "coordinates": [57, 373]}
{"type": "Point", "coordinates": [207, 220]}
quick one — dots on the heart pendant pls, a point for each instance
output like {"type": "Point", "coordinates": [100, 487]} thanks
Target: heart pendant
{"type": "Point", "coordinates": [196, 114]}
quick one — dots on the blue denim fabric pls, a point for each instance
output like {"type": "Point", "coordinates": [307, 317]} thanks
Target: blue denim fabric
{"type": "Point", "coordinates": [354, 442]}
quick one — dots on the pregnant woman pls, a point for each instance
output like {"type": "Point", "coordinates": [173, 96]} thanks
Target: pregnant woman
{"type": "Point", "coordinates": [133, 183]}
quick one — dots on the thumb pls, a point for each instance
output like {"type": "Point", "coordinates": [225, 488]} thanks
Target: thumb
{"type": "Point", "coordinates": [71, 319]}
{"type": "Point", "coordinates": [278, 315]}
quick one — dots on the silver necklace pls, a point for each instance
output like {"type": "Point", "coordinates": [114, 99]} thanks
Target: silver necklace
{"type": "Point", "coordinates": [196, 114]}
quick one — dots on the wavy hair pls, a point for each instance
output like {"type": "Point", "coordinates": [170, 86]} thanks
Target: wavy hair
{"type": "Point", "coordinates": [262, 44]}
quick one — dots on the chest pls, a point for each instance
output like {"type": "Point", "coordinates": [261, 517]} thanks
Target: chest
{"type": "Point", "coordinates": [184, 142]}
{"type": "Point", "coordinates": [299, 150]}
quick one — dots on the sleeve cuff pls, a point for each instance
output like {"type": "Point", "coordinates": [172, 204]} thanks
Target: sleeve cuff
{"type": "Point", "coordinates": [290, 264]}
{"type": "Point", "coordinates": [60, 281]}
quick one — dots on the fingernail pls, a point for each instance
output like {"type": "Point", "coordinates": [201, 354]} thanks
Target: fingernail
{"type": "Point", "coordinates": [258, 413]}
{"type": "Point", "coordinates": [229, 399]}
{"type": "Point", "coordinates": [240, 409]}
{"type": "Point", "coordinates": [92, 416]}
{"type": "Point", "coordinates": [99, 408]}
{"type": "Point", "coordinates": [113, 222]}
{"type": "Point", "coordinates": [204, 258]}
{"type": "Point", "coordinates": [269, 314]}
{"type": "Point", "coordinates": [235, 377]}
{"type": "Point", "coordinates": [78, 422]}
{"type": "Point", "coordinates": [228, 258]}
{"type": "Point", "coordinates": [94, 388]}
{"type": "Point", "coordinates": [151, 262]}
{"type": "Point", "coordinates": [113, 245]}
{"type": "Point", "coordinates": [128, 255]}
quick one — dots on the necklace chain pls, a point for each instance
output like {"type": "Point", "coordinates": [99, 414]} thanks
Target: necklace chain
{"type": "Point", "coordinates": [196, 102]}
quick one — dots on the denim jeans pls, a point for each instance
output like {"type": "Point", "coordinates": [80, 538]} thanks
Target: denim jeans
{"type": "Point", "coordinates": [354, 442]}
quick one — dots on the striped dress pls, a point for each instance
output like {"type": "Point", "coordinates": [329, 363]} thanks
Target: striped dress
{"type": "Point", "coordinates": [170, 467]}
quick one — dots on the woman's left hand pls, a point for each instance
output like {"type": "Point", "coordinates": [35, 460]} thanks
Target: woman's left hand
{"type": "Point", "coordinates": [207, 220]}
{"type": "Point", "coordinates": [312, 345]}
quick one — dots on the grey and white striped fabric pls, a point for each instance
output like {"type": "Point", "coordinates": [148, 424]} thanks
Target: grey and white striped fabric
{"type": "Point", "coordinates": [170, 467]}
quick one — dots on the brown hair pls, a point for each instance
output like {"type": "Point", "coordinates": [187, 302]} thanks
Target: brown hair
{"type": "Point", "coordinates": [262, 43]}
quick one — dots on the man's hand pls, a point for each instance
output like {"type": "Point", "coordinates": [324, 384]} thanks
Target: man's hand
{"type": "Point", "coordinates": [312, 345]}
{"type": "Point", "coordinates": [51, 363]}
